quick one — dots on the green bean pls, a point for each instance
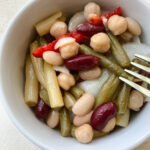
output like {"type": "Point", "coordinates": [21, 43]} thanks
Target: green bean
{"type": "Point", "coordinates": [69, 100]}
{"type": "Point", "coordinates": [107, 90]}
{"type": "Point", "coordinates": [118, 51]}
{"type": "Point", "coordinates": [98, 134]}
{"type": "Point", "coordinates": [123, 96]}
{"type": "Point", "coordinates": [77, 91]}
{"type": "Point", "coordinates": [122, 99]}
{"type": "Point", "coordinates": [65, 124]}
{"type": "Point", "coordinates": [104, 61]}
{"type": "Point", "coordinates": [63, 17]}
{"type": "Point", "coordinates": [73, 131]}
{"type": "Point", "coordinates": [43, 27]}
{"type": "Point", "coordinates": [31, 84]}
{"type": "Point", "coordinates": [37, 64]}
{"type": "Point", "coordinates": [145, 85]}
{"type": "Point", "coordinates": [76, 76]}
{"type": "Point", "coordinates": [42, 41]}
{"type": "Point", "coordinates": [44, 96]}
{"type": "Point", "coordinates": [136, 60]}
{"type": "Point", "coordinates": [123, 120]}
{"type": "Point", "coordinates": [53, 89]}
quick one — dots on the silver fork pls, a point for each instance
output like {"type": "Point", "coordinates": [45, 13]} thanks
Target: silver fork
{"type": "Point", "coordinates": [141, 77]}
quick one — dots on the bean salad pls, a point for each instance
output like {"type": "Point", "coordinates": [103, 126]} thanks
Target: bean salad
{"type": "Point", "coordinates": [87, 50]}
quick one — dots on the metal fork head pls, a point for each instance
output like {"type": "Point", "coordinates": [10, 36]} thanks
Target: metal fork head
{"type": "Point", "coordinates": [139, 76]}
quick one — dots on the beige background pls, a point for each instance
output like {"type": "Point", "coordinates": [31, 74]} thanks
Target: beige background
{"type": "Point", "coordinates": [10, 137]}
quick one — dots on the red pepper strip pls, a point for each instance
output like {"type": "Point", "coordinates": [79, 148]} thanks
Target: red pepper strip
{"type": "Point", "coordinates": [78, 36]}
{"type": "Point", "coordinates": [96, 20]}
{"type": "Point", "coordinates": [51, 46]}
{"type": "Point", "coordinates": [117, 11]}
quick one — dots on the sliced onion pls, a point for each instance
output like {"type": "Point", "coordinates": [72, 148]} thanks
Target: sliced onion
{"type": "Point", "coordinates": [105, 21]}
{"type": "Point", "coordinates": [135, 48]}
{"type": "Point", "coordinates": [64, 41]}
{"type": "Point", "coordinates": [77, 18]}
{"type": "Point", "coordinates": [93, 86]}
{"type": "Point", "coordinates": [62, 69]}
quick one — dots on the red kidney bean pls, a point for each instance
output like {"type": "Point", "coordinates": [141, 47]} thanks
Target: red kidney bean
{"type": "Point", "coordinates": [144, 73]}
{"type": "Point", "coordinates": [41, 109]}
{"type": "Point", "coordinates": [90, 29]}
{"type": "Point", "coordinates": [102, 115]}
{"type": "Point", "coordinates": [144, 104]}
{"type": "Point", "coordinates": [82, 62]}
{"type": "Point", "coordinates": [139, 82]}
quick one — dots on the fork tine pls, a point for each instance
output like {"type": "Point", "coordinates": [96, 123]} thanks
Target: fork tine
{"type": "Point", "coordinates": [143, 57]}
{"type": "Point", "coordinates": [136, 86]}
{"type": "Point", "coordinates": [143, 78]}
{"type": "Point", "coordinates": [147, 69]}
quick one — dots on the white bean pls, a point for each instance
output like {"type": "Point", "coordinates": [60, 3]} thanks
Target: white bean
{"type": "Point", "coordinates": [83, 105]}
{"type": "Point", "coordinates": [110, 125]}
{"type": "Point", "coordinates": [80, 120]}
{"type": "Point", "coordinates": [136, 100]}
{"type": "Point", "coordinates": [53, 58]}
{"type": "Point", "coordinates": [53, 119]}
{"type": "Point", "coordinates": [69, 50]}
{"type": "Point", "coordinates": [133, 26]}
{"type": "Point", "coordinates": [127, 36]}
{"type": "Point", "coordinates": [84, 134]}
{"type": "Point", "coordinates": [90, 73]}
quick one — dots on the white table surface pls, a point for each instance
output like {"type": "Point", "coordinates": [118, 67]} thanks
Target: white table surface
{"type": "Point", "coordinates": [10, 137]}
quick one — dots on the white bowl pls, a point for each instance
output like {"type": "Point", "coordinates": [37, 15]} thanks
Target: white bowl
{"type": "Point", "coordinates": [12, 55]}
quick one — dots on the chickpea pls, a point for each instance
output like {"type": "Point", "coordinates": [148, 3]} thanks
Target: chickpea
{"type": "Point", "coordinates": [53, 58]}
{"type": "Point", "coordinates": [117, 24]}
{"type": "Point", "coordinates": [69, 50]}
{"type": "Point", "coordinates": [80, 120]}
{"type": "Point", "coordinates": [110, 125]}
{"type": "Point", "coordinates": [84, 134]}
{"type": "Point", "coordinates": [53, 119]}
{"type": "Point", "coordinates": [136, 100]}
{"type": "Point", "coordinates": [91, 9]}
{"type": "Point", "coordinates": [133, 26]}
{"type": "Point", "coordinates": [84, 104]}
{"type": "Point", "coordinates": [66, 81]}
{"type": "Point", "coordinates": [100, 42]}
{"type": "Point", "coordinates": [127, 36]}
{"type": "Point", "coordinates": [90, 73]}
{"type": "Point", "coordinates": [58, 29]}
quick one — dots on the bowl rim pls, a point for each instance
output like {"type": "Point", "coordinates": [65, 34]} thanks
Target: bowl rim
{"type": "Point", "coordinates": [8, 109]}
